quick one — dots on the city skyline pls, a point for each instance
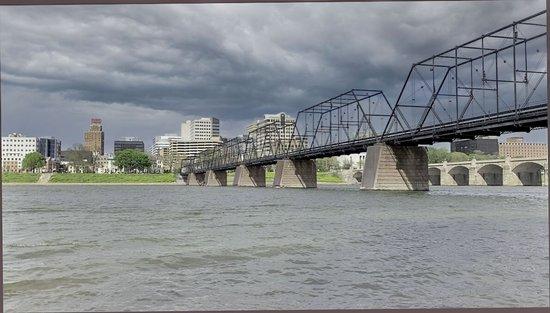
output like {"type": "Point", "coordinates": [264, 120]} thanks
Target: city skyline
{"type": "Point", "coordinates": [144, 90]}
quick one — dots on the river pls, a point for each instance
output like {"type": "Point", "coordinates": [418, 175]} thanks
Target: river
{"type": "Point", "coordinates": [75, 248]}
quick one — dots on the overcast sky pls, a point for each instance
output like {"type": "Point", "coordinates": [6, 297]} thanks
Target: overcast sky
{"type": "Point", "coordinates": [144, 69]}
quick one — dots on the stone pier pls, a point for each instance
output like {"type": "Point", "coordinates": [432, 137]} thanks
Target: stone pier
{"type": "Point", "coordinates": [295, 174]}
{"type": "Point", "coordinates": [249, 176]}
{"type": "Point", "coordinates": [395, 168]}
{"type": "Point", "coordinates": [195, 179]}
{"type": "Point", "coordinates": [216, 178]}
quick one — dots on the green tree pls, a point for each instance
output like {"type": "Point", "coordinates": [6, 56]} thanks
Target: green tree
{"type": "Point", "coordinates": [33, 161]}
{"type": "Point", "coordinates": [327, 164]}
{"type": "Point", "coordinates": [457, 157]}
{"type": "Point", "coordinates": [81, 159]}
{"type": "Point", "coordinates": [131, 159]}
{"type": "Point", "coordinates": [437, 155]}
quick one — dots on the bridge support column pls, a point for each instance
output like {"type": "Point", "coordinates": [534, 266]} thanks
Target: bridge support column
{"type": "Point", "coordinates": [216, 178]}
{"type": "Point", "coordinates": [509, 178]}
{"type": "Point", "coordinates": [474, 177]}
{"type": "Point", "coordinates": [249, 176]}
{"type": "Point", "coordinates": [195, 179]}
{"type": "Point", "coordinates": [395, 168]}
{"type": "Point", "coordinates": [295, 174]}
{"type": "Point", "coordinates": [446, 178]}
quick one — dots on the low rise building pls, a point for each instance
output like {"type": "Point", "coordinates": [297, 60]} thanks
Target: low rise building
{"type": "Point", "coordinates": [105, 164]}
{"type": "Point", "coordinates": [181, 149]}
{"type": "Point", "coordinates": [516, 147]}
{"type": "Point", "coordinates": [484, 145]}
{"type": "Point", "coordinates": [77, 161]}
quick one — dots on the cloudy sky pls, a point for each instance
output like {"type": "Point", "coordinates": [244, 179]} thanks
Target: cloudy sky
{"type": "Point", "coordinates": [144, 69]}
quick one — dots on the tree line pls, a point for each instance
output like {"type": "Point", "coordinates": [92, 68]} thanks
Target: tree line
{"type": "Point", "coordinates": [438, 155]}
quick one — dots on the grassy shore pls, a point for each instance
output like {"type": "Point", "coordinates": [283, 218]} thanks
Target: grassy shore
{"type": "Point", "coordinates": [85, 178]}
{"type": "Point", "coordinates": [92, 178]}
{"type": "Point", "coordinates": [20, 177]}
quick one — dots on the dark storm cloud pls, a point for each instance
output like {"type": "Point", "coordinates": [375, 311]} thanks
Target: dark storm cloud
{"type": "Point", "coordinates": [235, 62]}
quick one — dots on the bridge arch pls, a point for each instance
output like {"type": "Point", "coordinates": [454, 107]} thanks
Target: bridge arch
{"type": "Point", "coordinates": [492, 174]}
{"type": "Point", "coordinates": [529, 173]}
{"type": "Point", "coordinates": [460, 175]}
{"type": "Point", "coordinates": [434, 175]}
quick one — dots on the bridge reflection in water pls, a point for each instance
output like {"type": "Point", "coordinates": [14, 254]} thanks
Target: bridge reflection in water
{"type": "Point", "coordinates": [487, 86]}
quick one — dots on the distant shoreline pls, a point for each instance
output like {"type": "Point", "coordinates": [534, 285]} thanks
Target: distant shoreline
{"type": "Point", "coordinates": [130, 184]}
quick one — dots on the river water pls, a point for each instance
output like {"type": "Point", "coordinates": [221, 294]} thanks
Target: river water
{"type": "Point", "coordinates": [74, 248]}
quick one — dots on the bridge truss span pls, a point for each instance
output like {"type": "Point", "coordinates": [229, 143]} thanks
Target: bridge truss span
{"type": "Point", "coordinates": [492, 84]}
{"type": "Point", "coordinates": [497, 73]}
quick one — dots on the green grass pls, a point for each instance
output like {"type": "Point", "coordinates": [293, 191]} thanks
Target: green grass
{"type": "Point", "coordinates": [20, 177]}
{"type": "Point", "coordinates": [76, 178]}
{"type": "Point", "coordinates": [328, 177]}
{"type": "Point", "coordinates": [269, 176]}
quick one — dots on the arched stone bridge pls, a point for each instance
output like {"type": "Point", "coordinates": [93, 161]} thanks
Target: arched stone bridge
{"type": "Point", "coordinates": [498, 172]}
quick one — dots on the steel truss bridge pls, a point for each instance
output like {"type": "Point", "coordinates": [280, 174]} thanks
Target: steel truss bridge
{"type": "Point", "coordinates": [489, 85]}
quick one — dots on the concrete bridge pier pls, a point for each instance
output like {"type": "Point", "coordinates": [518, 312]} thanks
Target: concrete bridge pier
{"type": "Point", "coordinates": [295, 174]}
{"type": "Point", "coordinates": [249, 176]}
{"type": "Point", "coordinates": [195, 179]}
{"type": "Point", "coordinates": [216, 178]}
{"type": "Point", "coordinates": [395, 168]}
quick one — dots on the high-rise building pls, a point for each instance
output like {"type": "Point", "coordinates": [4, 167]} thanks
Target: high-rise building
{"type": "Point", "coordinates": [274, 132]}
{"type": "Point", "coordinates": [129, 143]}
{"type": "Point", "coordinates": [94, 139]}
{"type": "Point", "coordinates": [486, 145]}
{"type": "Point", "coordinates": [515, 147]}
{"type": "Point", "coordinates": [203, 129]}
{"type": "Point", "coordinates": [49, 148]}
{"type": "Point", "coordinates": [161, 144]}
{"type": "Point", "coordinates": [16, 146]}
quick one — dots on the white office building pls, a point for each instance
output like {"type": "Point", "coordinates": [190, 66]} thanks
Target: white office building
{"type": "Point", "coordinates": [162, 143]}
{"type": "Point", "coordinates": [275, 131]}
{"type": "Point", "coordinates": [182, 149]}
{"type": "Point", "coordinates": [354, 161]}
{"type": "Point", "coordinates": [16, 146]}
{"type": "Point", "coordinates": [203, 129]}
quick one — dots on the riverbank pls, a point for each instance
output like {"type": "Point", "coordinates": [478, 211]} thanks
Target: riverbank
{"type": "Point", "coordinates": [129, 179]}
{"type": "Point", "coordinates": [89, 178]}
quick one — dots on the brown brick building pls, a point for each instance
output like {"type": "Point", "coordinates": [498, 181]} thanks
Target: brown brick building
{"type": "Point", "coordinates": [514, 147]}
{"type": "Point", "coordinates": [94, 139]}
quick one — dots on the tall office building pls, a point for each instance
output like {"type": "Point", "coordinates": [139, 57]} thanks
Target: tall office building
{"type": "Point", "coordinates": [203, 129]}
{"type": "Point", "coordinates": [94, 139]}
{"type": "Point", "coordinates": [274, 132]}
{"type": "Point", "coordinates": [129, 143]}
{"type": "Point", "coordinates": [49, 148]}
